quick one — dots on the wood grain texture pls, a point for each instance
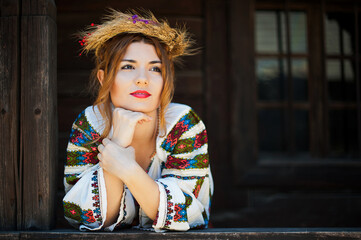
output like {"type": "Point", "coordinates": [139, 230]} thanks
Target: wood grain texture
{"type": "Point", "coordinates": [9, 121]}
{"type": "Point", "coordinates": [38, 7]}
{"type": "Point", "coordinates": [217, 89]}
{"type": "Point", "coordinates": [317, 88]}
{"type": "Point", "coordinates": [161, 7]}
{"type": "Point", "coordinates": [244, 110]}
{"type": "Point", "coordinates": [38, 120]}
{"type": "Point", "coordinates": [9, 8]}
{"type": "Point", "coordinates": [230, 234]}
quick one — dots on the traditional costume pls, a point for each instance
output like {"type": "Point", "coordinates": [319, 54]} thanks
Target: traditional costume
{"type": "Point", "coordinates": [180, 165]}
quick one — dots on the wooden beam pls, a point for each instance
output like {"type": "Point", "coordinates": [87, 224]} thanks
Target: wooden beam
{"type": "Point", "coordinates": [9, 114]}
{"type": "Point", "coordinates": [215, 233]}
{"type": "Point", "coordinates": [217, 88]}
{"type": "Point", "coordinates": [38, 113]}
{"type": "Point", "coordinates": [244, 108]}
{"type": "Point", "coordinates": [318, 114]}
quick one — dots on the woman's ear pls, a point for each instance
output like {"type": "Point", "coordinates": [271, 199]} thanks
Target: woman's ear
{"type": "Point", "coordinates": [100, 76]}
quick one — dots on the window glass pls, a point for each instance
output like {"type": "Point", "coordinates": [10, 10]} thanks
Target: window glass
{"type": "Point", "coordinates": [271, 130]}
{"type": "Point", "coordinates": [298, 32]}
{"type": "Point", "coordinates": [270, 32]}
{"type": "Point", "coordinates": [343, 133]}
{"type": "Point", "coordinates": [280, 75]}
{"type": "Point", "coordinates": [340, 30]}
{"type": "Point", "coordinates": [300, 79]}
{"type": "Point", "coordinates": [301, 130]}
{"type": "Point", "coordinates": [271, 78]}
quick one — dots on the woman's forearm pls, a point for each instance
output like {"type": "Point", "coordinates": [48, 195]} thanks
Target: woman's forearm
{"type": "Point", "coordinates": [121, 167]}
{"type": "Point", "coordinates": [114, 190]}
{"type": "Point", "coordinates": [144, 189]}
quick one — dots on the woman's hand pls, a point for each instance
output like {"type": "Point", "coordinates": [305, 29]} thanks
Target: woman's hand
{"type": "Point", "coordinates": [124, 122]}
{"type": "Point", "coordinates": [115, 159]}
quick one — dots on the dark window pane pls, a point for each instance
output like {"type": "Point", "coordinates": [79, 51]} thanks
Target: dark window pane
{"type": "Point", "coordinates": [343, 133]}
{"type": "Point", "coordinates": [301, 130]}
{"type": "Point", "coordinates": [340, 33]}
{"type": "Point", "coordinates": [300, 79]}
{"type": "Point", "coordinates": [271, 78]}
{"type": "Point", "coordinates": [298, 23]}
{"type": "Point", "coordinates": [273, 133]}
{"type": "Point", "coordinates": [270, 32]}
{"type": "Point", "coordinates": [271, 130]}
{"type": "Point", "coordinates": [341, 80]}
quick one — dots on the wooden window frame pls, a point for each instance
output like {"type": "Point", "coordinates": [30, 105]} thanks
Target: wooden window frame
{"type": "Point", "coordinates": [248, 170]}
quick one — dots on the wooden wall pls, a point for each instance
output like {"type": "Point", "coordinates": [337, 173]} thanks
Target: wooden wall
{"type": "Point", "coordinates": [28, 120]}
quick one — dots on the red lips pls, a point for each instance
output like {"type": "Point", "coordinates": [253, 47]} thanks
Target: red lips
{"type": "Point", "coordinates": [140, 94]}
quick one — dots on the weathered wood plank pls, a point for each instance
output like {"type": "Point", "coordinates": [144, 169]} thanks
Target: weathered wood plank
{"type": "Point", "coordinates": [38, 7]}
{"type": "Point", "coordinates": [317, 91]}
{"type": "Point", "coordinates": [244, 117]}
{"type": "Point", "coordinates": [217, 94]}
{"type": "Point", "coordinates": [162, 7]}
{"type": "Point", "coordinates": [10, 235]}
{"type": "Point", "coordinates": [9, 121]}
{"type": "Point", "coordinates": [9, 8]}
{"type": "Point", "coordinates": [230, 233]}
{"type": "Point", "coordinates": [38, 120]}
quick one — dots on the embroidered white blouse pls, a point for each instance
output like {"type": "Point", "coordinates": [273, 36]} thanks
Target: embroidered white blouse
{"type": "Point", "coordinates": [180, 167]}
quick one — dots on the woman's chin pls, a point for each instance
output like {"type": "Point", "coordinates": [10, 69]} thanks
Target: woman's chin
{"type": "Point", "coordinates": [145, 110]}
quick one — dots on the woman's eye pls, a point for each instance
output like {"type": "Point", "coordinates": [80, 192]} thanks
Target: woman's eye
{"type": "Point", "coordinates": [156, 69]}
{"type": "Point", "coordinates": [127, 67]}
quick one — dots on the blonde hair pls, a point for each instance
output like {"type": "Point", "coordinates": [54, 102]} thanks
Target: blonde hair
{"type": "Point", "coordinates": [108, 59]}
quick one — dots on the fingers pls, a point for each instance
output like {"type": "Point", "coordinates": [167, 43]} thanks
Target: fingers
{"type": "Point", "coordinates": [102, 146]}
{"type": "Point", "coordinates": [134, 117]}
{"type": "Point", "coordinates": [105, 141]}
{"type": "Point", "coordinates": [141, 118]}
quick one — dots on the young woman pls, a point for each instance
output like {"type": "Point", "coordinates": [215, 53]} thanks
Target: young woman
{"type": "Point", "coordinates": [134, 158]}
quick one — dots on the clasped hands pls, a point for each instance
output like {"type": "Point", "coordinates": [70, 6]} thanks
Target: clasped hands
{"type": "Point", "coordinates": [116, 156]}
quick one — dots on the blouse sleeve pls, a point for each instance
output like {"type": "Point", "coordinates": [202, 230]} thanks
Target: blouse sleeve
{"type": "Point", "coordinates": [185, 185]}
{"type": "Point", "coordinates": [85, 193]}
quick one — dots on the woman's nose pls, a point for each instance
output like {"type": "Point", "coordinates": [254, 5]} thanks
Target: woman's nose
{"type": "Point", "coordinates": [142, 79]}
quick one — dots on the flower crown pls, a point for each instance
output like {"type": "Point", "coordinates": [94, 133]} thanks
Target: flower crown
{"type": "Point", "coordinates": [177, 40]}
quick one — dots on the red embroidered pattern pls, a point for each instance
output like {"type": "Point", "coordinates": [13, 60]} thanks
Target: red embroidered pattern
{"type": "Point", "coordinates": [73, 211]}
{"type": "Point", "coordinates": [200, 161]}
{"type": "Point", "coordinates": [96, 198]}
{"type": "Point", "coordinates": [169, 207]}
{"type": "Point", "coordinates": [82, 135]}
{"type": "Point", "coordinates": [183, 125]}
{"type": "Point", "coordinates": [180, 213]}
{"type": "Point", "coordinates": [198, 187]}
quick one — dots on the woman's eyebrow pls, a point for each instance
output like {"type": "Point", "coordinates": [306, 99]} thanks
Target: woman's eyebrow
{"type": "Point", "coordinates": [128, 60]}
{"type": "Point", "coordinates": [133, 61]}
{"type": "Point", "coordinates": [155, 61]}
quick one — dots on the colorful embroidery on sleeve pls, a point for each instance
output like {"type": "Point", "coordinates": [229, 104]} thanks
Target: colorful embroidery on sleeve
{"type": "Point", "coordinates": [184, 124]}
{"type": "Point", "coordinates": [191, 144]}
{"type": "Point", "coordinates": [200, 161]}
{"type": "Point", "coordinates": [95, 198]}
{"type": "Point", "coordinates": [73, 211]}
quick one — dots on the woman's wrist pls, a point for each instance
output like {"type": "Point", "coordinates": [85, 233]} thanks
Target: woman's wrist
{"type": "Point", "coordinates": [114, 178]}
{"type": "Point", "coordinates": [132, 172]}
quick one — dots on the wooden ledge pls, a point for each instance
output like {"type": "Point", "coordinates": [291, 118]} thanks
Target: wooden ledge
{"type": "Point", "coordinates": [213, 233]}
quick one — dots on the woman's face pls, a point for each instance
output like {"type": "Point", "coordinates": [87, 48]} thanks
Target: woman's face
{"type": "Point", "coordinates": [138, 82]}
